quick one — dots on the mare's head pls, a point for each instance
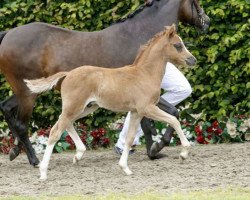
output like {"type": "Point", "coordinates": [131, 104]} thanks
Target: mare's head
{"type": "Point", "coordinates": [190, 12]}
{"type": "Point", "coordinates": [175, 50]}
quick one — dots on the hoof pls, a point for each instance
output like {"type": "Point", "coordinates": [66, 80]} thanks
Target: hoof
{"type": "Point", "coordinates": [34, 161]}
{"type": "Point", "coordinates": [157, 156]}
{"type": "Point", "coordinates": [184, 154]}
{"type": "Point", "coordinates": [14, 152]}
{"type": "Point", "coordinates": [43, 178]}
{"type": "Point", "coordinates": [75, 160]}
{"type": "Point", "coordinates": [155, 149]}
{"type": "Point", "coordinates": [77, 157]}
{"type": "Point", "coordinates": [128, 172]}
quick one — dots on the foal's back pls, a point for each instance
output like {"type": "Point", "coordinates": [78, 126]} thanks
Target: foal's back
{"type": "Point", "coordinates": [121, 89]}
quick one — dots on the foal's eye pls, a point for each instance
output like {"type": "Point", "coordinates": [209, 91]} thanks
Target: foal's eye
{"type": "Point", "coordinates": [178, 47]}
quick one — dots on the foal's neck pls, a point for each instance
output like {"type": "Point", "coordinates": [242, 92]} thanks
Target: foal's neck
{"type": "Point", "coordinates": [152, 61]}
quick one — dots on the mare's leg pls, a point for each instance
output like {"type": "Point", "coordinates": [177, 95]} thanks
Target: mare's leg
{"type": "Point", "coordinates": [17, 112]}
{"type": "Point", "coordinates": [148, 128]}
{"type": "Point", "coordinates": [133, 126]}
{"type": "Point", "coordinates": [9, 109]}
{"type": "Point", "coordinates": [25, 108]}
{"type": "Point", "coordinates": [165, 140]}
{"type": "Point", "coordinates": [155, 113]}
{"type": "Point", "coordinates": [153, 148]}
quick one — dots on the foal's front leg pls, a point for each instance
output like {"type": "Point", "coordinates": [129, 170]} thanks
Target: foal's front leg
{"type": "Point", "coordinates": [155, 113]}
{"type": "Point", "coordinates": [133, 126]}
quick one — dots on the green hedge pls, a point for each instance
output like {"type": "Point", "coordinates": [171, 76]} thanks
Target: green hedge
{"type": "Point", "coordinates": [220, 81]}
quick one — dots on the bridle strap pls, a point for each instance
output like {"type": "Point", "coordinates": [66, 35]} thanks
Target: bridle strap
{"type": "Point", "coordinates": [199, 11]}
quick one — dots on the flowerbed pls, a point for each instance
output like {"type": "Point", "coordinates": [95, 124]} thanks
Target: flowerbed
{"type": "Point", "coordinates": [235, 129]}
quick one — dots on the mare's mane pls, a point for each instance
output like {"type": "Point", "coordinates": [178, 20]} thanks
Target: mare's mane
{"type": "Point", "coordinates": [138, 10]}
{"type": "Point", "coordinates": [141, 8]}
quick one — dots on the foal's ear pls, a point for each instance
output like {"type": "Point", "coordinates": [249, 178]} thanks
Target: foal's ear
{"type": "Point", "coordinates": [170, 31]}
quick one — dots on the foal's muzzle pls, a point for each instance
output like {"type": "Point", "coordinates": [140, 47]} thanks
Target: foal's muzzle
{"type": "Point", "coordinates": [191, 61]}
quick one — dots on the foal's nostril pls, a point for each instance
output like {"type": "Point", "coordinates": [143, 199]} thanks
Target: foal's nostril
{"type": "Point", "coordinates": [191, 61]}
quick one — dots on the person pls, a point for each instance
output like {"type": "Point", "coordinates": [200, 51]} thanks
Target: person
{"type": "Point", "coordinates": [177, 89]}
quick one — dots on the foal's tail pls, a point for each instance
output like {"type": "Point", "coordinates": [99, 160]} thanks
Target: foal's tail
{"type": "Point", "coordinates": [44, 84]}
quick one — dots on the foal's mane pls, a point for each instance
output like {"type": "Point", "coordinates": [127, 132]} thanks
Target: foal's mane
{"type": "Point", "coordinates": [144, 47]}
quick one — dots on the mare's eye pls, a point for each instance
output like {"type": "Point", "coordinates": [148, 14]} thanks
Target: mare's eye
{"type": "Point", "coordinates": [178, 47]}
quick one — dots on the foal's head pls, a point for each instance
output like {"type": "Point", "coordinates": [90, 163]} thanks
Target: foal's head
{"type": "Point", "coordinates": [175, 49]}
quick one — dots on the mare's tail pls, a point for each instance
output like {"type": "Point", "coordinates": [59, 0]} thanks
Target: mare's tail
{"type": "Point", "coordinates": [2, 34]}
{"type": "Point", "coordinates": [44, 84]}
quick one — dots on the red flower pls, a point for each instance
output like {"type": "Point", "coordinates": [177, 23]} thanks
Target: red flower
{"type": "Point", "coordinates": [102, 131]}
{"type": "Point", "coordinates": [209, 137]}
{"type": "Point", "coordinates": [198, 130]}
{"type": "Point", "coordinates": [210, 129]}
{"type": "Point", "coordinates": [95, 134]}
{"type": "Point", "coordinates": [200, 139]}
{"type": "Point", "coordinates": [44, 132]}
{"type": "Point", "coordinates": [219, 131]}
{"type": "Point", "coordinates": [105, 142]}
{"type": "Point", "coordinates": [70, 141]}
{"type": "Point", "coordinates": [215, 124]}
{"type": "Point", "coordinates": [83, 138]}
{"type": "Point", "coordinates": [41, 132]}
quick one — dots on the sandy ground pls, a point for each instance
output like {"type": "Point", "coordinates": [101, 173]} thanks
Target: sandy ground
{"type": "Point", "coordinates": [208, 167]}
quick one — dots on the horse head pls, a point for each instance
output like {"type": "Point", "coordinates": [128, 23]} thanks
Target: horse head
{"type": "Point", "coordinates": [177, 52]}
{"type": "Point", "coordinates": [192, 13]}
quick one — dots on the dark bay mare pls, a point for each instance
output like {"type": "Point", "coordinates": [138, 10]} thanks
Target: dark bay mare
{"type": "Point", "coordinates": [39, 50]}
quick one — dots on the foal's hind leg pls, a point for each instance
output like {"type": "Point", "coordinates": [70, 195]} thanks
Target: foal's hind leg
{"type": "Point", "coordinates": [80, 147]}
{"type": "Point", "coordinates": [133, 126]}
{"type": "Point", "coordinates": [55, 133]}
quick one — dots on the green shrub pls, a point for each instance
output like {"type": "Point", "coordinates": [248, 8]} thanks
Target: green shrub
{"type": "Point", "coordinates": [220, 81]}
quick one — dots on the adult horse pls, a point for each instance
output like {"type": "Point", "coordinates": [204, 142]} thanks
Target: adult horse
{"type": "Point", "coordinates": [39, 50]}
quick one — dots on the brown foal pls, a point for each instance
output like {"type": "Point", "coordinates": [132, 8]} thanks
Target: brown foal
{"type": "Point", "coordinates": [134, 88]}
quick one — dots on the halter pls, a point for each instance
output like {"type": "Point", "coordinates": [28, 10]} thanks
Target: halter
{"type": "Point", "coordinates": [200, 12]}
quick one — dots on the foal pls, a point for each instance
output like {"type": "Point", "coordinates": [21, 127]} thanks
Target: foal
{"type": "Point", "coordinates": [134, 88]}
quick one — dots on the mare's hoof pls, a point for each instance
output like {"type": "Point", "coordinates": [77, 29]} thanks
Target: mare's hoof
{"type": "Point", "coordinates": [14, 152]}
{"type": "Point", "coordinates": [35, 163]}
{"type": "Point", "coordinates": [154, 149]}
{"type": "Point", "coordinates": [157, 156]}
